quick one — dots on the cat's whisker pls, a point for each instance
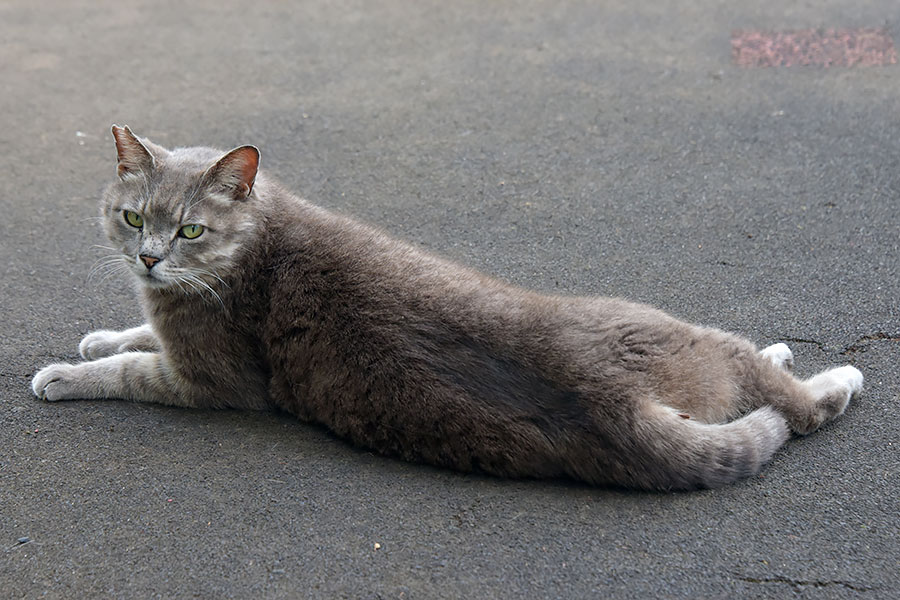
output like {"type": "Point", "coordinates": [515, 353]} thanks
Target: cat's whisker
{"type": "Point", "coordinates": [112, 271]}
{"type": "Point", "coordinates": [111, 257]}
{"type": "Point", "coordinates": [212, 274]}
{"type": "Point", "coordinates": [204, 289]}
{"type": "Point", "coordinates": [178, 275]}
{"type": "Point", "coordinates": [191, 287]}
{"type": "Point", "coordinates": [178, 282]}
{"type": "Point", "coordinates": [201, 286]}
{"type": "Point", "coordinates": [107, 266]}
{"type": "Point", "coordinates": [106, 261]}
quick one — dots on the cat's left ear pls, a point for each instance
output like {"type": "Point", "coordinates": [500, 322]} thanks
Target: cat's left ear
{"type": "Point", "coordinates": [133, 157]}
{"type": "Point", "coordinates": [236, 171]}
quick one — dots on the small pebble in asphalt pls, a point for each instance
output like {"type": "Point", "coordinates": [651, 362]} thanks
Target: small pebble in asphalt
{"type": "Point", "coordinates": [24, 540]}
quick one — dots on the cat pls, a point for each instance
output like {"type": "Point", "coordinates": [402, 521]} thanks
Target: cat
{"type": "Point", "coordinates": [256, 299]}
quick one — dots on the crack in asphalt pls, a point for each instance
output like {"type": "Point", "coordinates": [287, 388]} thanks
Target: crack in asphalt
{"type": "Point", "coordinates": [862, 342]}
{"type": "Point", "coordinates": [797, 584]}
{"type": "Point", "coordinates": [859, 344]}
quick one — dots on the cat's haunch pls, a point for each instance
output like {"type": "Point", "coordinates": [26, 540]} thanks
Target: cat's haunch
{"type": "Point", "coordinates": [257, 299]}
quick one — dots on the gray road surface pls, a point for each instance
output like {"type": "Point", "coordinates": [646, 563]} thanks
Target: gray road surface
{"type": "Point", "coordinates": [595, 147]}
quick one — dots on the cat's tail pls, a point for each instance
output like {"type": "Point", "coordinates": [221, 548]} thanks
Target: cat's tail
{"type": "Point", "coordinates": [684, 454]}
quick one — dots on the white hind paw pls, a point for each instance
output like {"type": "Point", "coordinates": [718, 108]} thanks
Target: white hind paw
{"type": "Point", "coordinates": [780, 355]}
{"type": "Point", "coordinates": [850, 377]}
{"type": "Point", "coordinates": [834, 389]}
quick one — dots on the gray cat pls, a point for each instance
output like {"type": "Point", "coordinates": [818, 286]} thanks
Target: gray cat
{"type": "Point", "coordinates": [259, 300]}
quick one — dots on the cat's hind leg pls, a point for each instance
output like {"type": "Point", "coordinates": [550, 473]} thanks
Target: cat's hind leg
{"type": "Point", "coordinates": [780, 355]}
{"type": "Point", "coordinates": [103, 343]}
{"type": "Point", "coordinates": [806, 404]}
{"type": "Point", "coordinates": [831, 391]}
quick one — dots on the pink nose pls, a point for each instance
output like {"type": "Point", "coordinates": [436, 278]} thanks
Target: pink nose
{"type": "Point", "coordinates": [149, 261]}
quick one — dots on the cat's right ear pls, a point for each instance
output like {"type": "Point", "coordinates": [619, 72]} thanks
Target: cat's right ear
{"type": "Point", "coordinates": [235, 172]}
{"type": "Point", "coordinates": [133, 156]}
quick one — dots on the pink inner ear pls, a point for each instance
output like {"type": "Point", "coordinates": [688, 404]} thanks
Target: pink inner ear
{"type": "Point", "coordinates": [130, 152]}
{"type": "Point", "coordinates": [240, 166]}
{"type": "Point", "coordinates": [248, 165]}
{"type": "Point", "coordinates": [124, 142]}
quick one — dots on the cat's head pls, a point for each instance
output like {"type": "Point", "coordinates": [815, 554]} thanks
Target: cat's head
{"type": "Point", "coordinates": [178, 217]}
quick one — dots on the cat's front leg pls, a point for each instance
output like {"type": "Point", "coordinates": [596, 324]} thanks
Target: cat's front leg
{"type": "Point", "coordinates": [138, 376]}
{"type": "Point", "coordinates": [99, 344]}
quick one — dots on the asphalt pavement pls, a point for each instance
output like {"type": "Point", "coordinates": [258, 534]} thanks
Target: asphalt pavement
{"type": "Point", "coordinates": [597, 147]}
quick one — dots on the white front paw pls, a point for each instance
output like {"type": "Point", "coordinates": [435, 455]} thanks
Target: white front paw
{"type": "Point", "coordinates": [99, 344]}
{"type": "Point", "coordinates": [780, 355]}
{"type": "Point", "coordinates": [56, 382]}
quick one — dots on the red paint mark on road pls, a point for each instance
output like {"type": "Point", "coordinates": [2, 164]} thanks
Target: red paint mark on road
{"type": "Point", "coordinates": [826, 48]}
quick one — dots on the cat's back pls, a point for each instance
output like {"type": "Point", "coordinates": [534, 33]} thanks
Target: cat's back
{"type": "Point", "coordinates": [325, 263]}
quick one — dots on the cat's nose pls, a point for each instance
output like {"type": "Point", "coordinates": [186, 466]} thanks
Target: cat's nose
{"type": "Point", "coordinates": [149, 261]}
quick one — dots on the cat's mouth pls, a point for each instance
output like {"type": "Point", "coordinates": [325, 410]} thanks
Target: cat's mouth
{"type": "Point", "coordinates": [151, 278]}
{"type": "Point", "coordinates": [153, 281]}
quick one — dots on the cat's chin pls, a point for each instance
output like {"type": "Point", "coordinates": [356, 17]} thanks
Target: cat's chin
{"type": "Point", "coordinates": [154, 283]}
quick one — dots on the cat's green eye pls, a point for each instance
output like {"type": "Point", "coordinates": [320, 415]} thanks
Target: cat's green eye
{"type": "Point", "coordinates": [191, 231]}
{"type": "Point", "coordinates": [134, 219]}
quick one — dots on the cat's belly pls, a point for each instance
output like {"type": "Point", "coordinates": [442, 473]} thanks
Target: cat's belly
{"type": "Point", "coordinates": [220, 376]}
{"type": "Point", "coordinates": [462, 408]}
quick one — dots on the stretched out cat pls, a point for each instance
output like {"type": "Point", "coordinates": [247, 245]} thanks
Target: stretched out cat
{"type": "Point", "coordinates": [257, 299]}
